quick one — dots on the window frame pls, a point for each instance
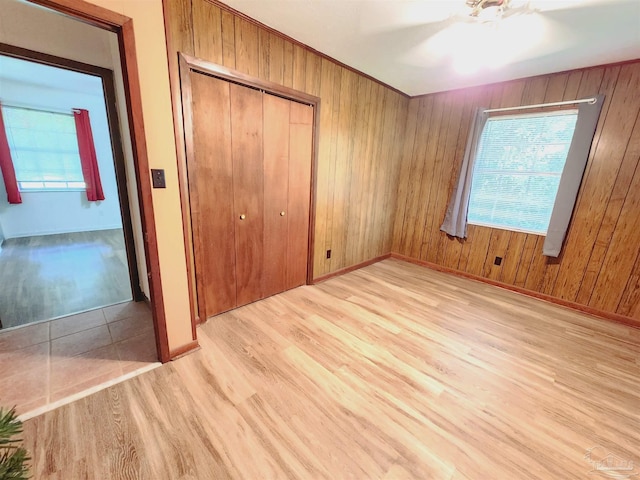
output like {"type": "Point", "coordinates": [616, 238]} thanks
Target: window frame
{"type": "Point", "coordinates": [543, 112]}
{"type": "Point", "coordinates": [15, 156]}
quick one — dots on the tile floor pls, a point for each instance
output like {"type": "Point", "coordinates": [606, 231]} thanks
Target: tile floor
{"type": "Point", "coordinates": [44, 363]}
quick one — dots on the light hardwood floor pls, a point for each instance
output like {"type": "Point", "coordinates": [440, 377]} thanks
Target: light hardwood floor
{"type": "Point", "coordinates": [392, 371]}
{"type": "Point", "coordinates": [50, 276]}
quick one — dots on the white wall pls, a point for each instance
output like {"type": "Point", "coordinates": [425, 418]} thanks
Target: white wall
{"type": "Point", "coordinates": [35, 28]}
{"type": "Point", "coordinates": [44, 213]}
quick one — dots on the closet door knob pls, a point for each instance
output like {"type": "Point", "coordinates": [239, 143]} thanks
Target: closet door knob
{"type": "Point", "coordinates": [282, 214]}
{"type": "Point", "coordinates": [243, 216]}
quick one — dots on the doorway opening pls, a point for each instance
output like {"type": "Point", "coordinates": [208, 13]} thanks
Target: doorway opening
{"type": "Point", "coordinates": [55, 361]}
{"type": "Point", "coordinates": [63, 249]}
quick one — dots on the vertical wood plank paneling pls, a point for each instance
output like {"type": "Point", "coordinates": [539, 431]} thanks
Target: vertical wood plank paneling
{"type": "Point", "coordinates": [178, 16]}
{"type": "Point", "coordinates": [390, 127]}
{"type": "Point", "coordinates": [299, 68]}
{"type": "Point", "coordinates": [313, 77]}
{"type": "Point", "coordinates": [537, 267]}
{"type": "Point", "coordinates": [526, 257]}
{"type": "Point", "coordinates": [590, 83]}
{"type": "Point", "coordinates": [343, 167]}
{"type": "Point", "coordinates": [617, 264]}
{"type": "Point", "coordinates": [228, 38]}
{"type": "Point", "coordinates": [360, 135]}
{"type": "Point", "coordinates": [424, 178]}
{"type": "Point", "coordinates": [616, 200]}
{"type": "Point", "coordinates": [355, 222]}
{"type": "Point", "coordinates": [332, 180]}
{"type": "Point", "coordinates": [247, 43]}
{"type": "Point", "coordinates": [630, 303]}
{"type": "Point", "coordinates": [276, 59]}
{"type": "Point", "coordinates": [606, 160]}
{"type": "Point", "coordinates": [599, 265]}
{"type": "Point", "coordinates": [264, 52]}
{"type": "Point", "coordinates": [287, 67]}
{"type": "Point", "coordinates": [405, 171]}
{"type": "Point", "coordinates": [322, 183]}
{"type": "Point", "coordinates": [411, 228]}
{"type": "Point", "coordinates": [432, 215]}
{"type": "Point", "coordinates": [207, 47]}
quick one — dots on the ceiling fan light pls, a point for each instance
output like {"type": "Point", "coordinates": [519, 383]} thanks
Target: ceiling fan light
{"type": "Point", "coordinates": [490, 14]}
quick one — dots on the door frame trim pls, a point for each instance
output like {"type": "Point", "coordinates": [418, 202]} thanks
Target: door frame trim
{"type": "Point", "coordinates": [119, 163]}
{"type": "Point", "coordinates": [188, 63]}
{"type": "Point", "coordinates": [122, 26]}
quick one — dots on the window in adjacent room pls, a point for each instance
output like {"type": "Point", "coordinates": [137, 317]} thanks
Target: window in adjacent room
{"type": "Point", "coordinates": [517, 171]}
{"type": "Point", "coordinates": [44, 149]}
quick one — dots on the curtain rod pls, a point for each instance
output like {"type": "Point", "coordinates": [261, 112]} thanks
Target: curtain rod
{"type": "Point", "coordinates": [591, 100]}
{"type": "Point", "coordinates": [68, 112]}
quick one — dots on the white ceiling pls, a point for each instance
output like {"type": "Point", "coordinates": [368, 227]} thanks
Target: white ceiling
{"type": "Point", "coordinates": [426, 46]}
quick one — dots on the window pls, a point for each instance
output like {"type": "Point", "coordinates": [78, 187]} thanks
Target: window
{"type": "Point", "coordinates": [44, 149]}
{"type": "Point", "coordinates": [518, 168]}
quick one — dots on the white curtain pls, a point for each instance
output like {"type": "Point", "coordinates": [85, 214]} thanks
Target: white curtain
{"type": "Point", "coordinates": [588, 114]}
{"type": "Point", "coordinates": [455, 220]}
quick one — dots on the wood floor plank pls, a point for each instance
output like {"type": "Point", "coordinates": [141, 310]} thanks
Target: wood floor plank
{"type": "Point", "coordinates": [46, 276]}
{"type": "Point", "coordinates": [393, 371]}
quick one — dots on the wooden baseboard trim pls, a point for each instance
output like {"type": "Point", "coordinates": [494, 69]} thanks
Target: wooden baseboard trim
{"type": "Point", "coordinates": [342, 271]}
{"type": "Point", "coordinates": [614, 317]}
{"type": "Point", "coordinates": [184, 349]}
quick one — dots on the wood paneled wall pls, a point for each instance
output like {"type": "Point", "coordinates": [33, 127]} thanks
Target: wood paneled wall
{"type": "Point", "coordinates": [599, 265]}
{"type": "Point", "coordinates": [360, 134]}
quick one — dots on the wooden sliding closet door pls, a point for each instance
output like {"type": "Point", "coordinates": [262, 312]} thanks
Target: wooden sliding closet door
{"type": "Point", "coordinates": [248, 193]}
{"type": "Point", "coordinates": [288, 140]}
{"type": "Point", "coordinates": [249, 173]}
{"type": "Point", "coordinates": [211, 193]}
{"type": "Point", "coordinates": [276, 187]}
{"type": "Point", "coordinates": [300, 151]}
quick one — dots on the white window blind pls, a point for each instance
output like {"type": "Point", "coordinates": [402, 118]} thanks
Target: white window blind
{"type": "Point", "coordinates": [44, 149]}
{"type": "Point", "coordinates": [518, 168]}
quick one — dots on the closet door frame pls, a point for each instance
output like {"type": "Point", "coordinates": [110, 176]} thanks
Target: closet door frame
{"type": "Point", "coordinates": [187, 65]}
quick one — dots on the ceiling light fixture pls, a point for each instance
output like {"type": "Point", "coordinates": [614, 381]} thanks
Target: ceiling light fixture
{"type": "Point", "coordinates": [501, 31]}
{"type": "Point", "coordinates": [494, 10]}
{"type": "Point", "coordinates": [487, 9]}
